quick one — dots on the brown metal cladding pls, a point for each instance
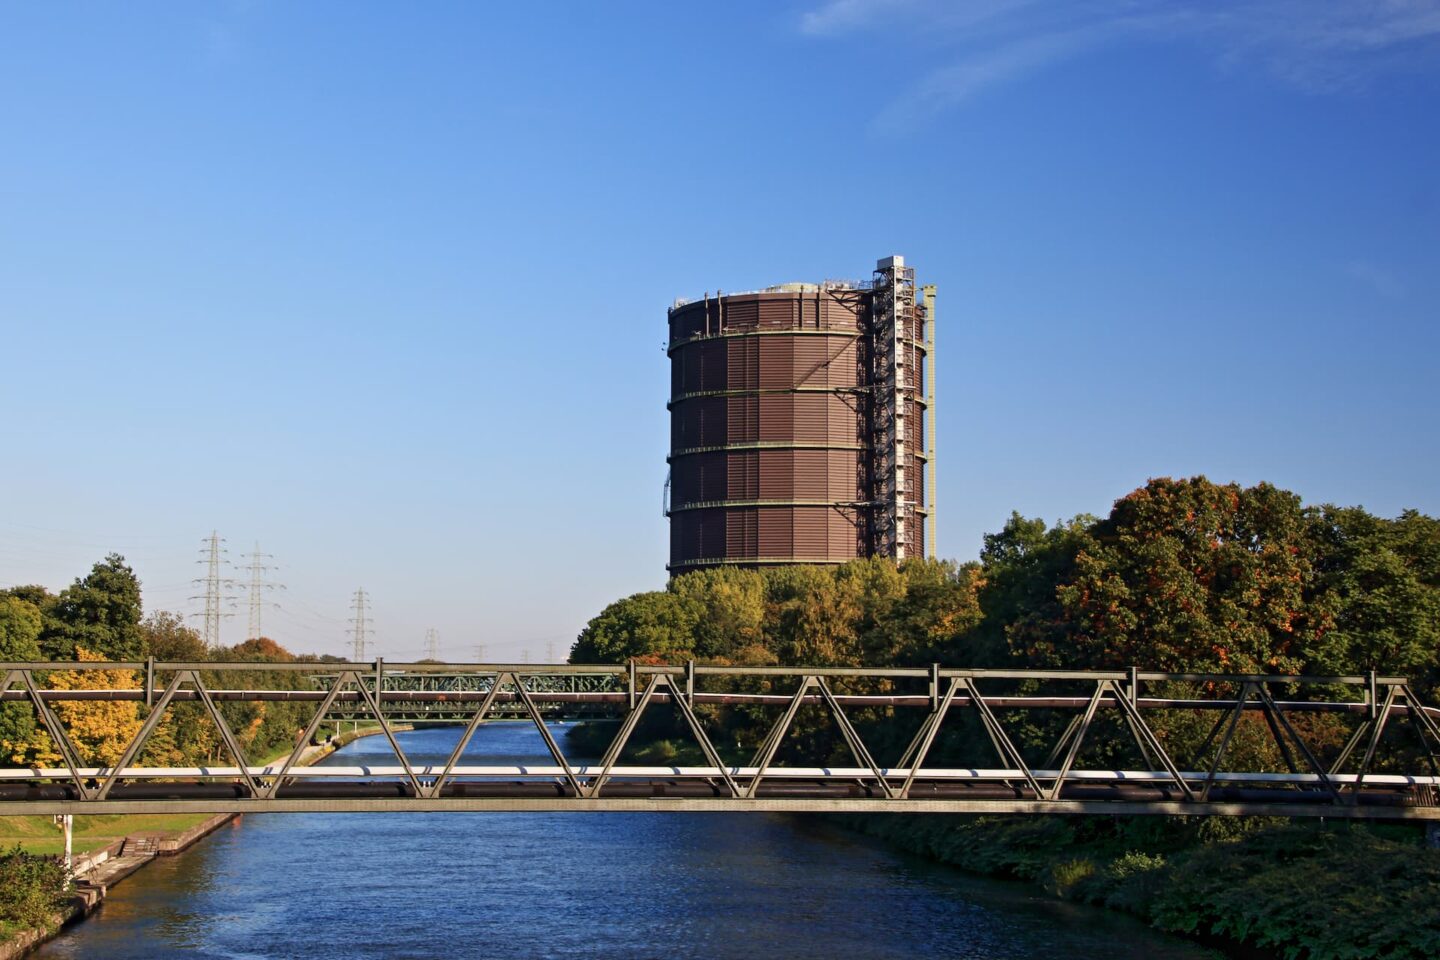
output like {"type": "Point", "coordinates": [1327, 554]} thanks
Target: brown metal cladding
{"type": "Point", "coordinates": [767, 422]}
{"type": "Point", "coordinates": [772, 454]}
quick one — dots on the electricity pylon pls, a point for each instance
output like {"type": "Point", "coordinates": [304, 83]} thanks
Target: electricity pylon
{"type": "Point", "coordinates": [359, 626]}
{"type": "Point", "coordinates": [212, 555]}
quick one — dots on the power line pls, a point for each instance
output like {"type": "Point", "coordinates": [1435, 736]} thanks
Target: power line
{"type": "Point", "coordinates": [258, 585]}
{"type": "Point", "coordinates": [359, 626]}
{"type": "Point", "coordinates": [212, 555]}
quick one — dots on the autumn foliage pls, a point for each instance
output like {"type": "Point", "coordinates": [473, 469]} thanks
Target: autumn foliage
{"type": "Point", "coordinates": [100, 729]}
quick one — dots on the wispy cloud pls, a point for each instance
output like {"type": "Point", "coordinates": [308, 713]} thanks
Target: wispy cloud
{"type": "Point", "coordinates": [838, 16]}
{"type": "Point", "coordinates": [1316, 45]}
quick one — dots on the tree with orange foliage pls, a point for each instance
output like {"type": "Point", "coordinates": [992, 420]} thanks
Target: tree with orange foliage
{"type": "Point", "coordinates": [100, 729]}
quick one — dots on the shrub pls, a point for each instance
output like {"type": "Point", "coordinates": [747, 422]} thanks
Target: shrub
{"type": "Point", "coordinates": [1338, 893]}
{"type": "Point", "coordinates": [1068, 873]}
{"type": "Point", "coordinates": [1134, 863]}
{"type": "Point", "coordinates": [32, 888]}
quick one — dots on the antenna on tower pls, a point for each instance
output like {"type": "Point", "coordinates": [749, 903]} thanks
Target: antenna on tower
{"type": "Point", "coordinates": [359, 625]}
{"type": "Point", "coordinates": [258, 585]}
{"type": "Point", "coordinates": [212, 555]}
{"type": "Point", "coordinates": [432, 644]}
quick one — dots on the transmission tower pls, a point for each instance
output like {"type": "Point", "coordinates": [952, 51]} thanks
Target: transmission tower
{"type": "Point", "coordinates": [212, 556]}
{"type": "Point", "coordinates": [258, 586]}
{"type": "Point", "coordinates": [549, 651]}
{"type": "Point", "coordinates": [479, 653]}
{"type": "Point", "coordinates": [432, 644]}
{"type": "Point", "coordinates": [359, 626]}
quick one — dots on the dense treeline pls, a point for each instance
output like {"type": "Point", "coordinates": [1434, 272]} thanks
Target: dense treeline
{"type": "Point", "coordinates": [99, 617]}
{"type": "Point", "coordinates": [1182, 575]}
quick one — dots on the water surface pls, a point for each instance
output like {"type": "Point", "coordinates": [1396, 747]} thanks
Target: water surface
{"type": "Point", "coordinates": [572, 885]}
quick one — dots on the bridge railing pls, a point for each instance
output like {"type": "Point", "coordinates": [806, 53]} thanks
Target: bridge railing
{"type": "Point", "coordinates": [1360, 774]}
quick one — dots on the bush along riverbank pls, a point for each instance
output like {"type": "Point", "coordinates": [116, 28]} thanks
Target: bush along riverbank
{"type": "Point", "coordinates": [1256, 887]}
{"type": "Point", "coordinates": [33, 897]}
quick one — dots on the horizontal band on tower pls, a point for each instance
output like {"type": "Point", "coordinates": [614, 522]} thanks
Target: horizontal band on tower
{"type": "Point", "coordinates": [721, 504]}
{"type": "Point", "coordinates": [752, 561]}
{"type": "Point", "coordinates": [787, 332]}
{"type": "Point", "coordinates": [765, 445]}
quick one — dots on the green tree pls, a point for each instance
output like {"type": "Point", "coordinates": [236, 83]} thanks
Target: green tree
{"type": "Point", "coordinates": [166, 636]}
{"type": "Point", "coordinates": [20, 625]}
{"type": "Point", "coordinates": [935, 612]}
{"type": "Point", "coordinates": [1192, 575]}
{"type": "Point", "coordinates": [187, 735]}
{"type": "Point", "coordinates": [1379, 579]}
{"type": "Point", "coordinates": [728, 607]}
{"type": "Point", "coordinates": [655, 626]}
{"type": "Point", "coordinates": [99, 612]}
{"type": "Point", "coordinates": [1021, 569]}
{"type": "Point", "coordinates": [31, 593]}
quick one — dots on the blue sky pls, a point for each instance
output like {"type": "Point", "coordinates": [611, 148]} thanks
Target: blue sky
{"type": "Point", "coordinates": [383, 286]}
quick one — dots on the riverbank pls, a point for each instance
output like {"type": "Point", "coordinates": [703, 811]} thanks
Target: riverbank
{"type": "Point", "coordinates": [1255, 888]}
{"type": "Point", "coordinates": [97, 870]}
{"type": "Point", "coordinates": [110, 848]}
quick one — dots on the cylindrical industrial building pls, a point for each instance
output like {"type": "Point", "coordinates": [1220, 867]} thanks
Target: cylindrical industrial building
{"type": "Point", "coordinates": [790, 409]}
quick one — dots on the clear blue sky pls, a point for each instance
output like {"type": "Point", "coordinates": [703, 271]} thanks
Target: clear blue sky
{"type": "Point", "coordinates": [383, 286]}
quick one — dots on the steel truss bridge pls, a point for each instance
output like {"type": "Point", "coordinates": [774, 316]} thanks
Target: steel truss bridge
{"type": "Point", "coordinates": [408, 695]}
{"type": "Point", "coordinates": [1387, 768]}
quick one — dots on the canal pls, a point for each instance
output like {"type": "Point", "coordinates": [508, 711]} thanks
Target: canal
{"type": "Point", "coordinates": [355, 886]}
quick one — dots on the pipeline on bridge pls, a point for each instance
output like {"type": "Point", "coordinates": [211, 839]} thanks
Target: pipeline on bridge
{"type": "Point", "coordinates": [1347, 782]}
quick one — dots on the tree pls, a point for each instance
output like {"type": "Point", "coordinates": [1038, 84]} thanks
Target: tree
{"type": "Point", "coordinates": [33, 594]}
{"type": "Point", "coordinates": [1021, 568]}
{"type": "Point", "coordinates": [936, 607]}
{"type": "Point", "coordinates": [1190, 575]}
{"type": "Point", "coordinates": [657, 626]}
{"type": "Point", "coordinates": [261, 648]}
{"type": "Point", "coordinates": [728, 607]}
{"type": "Point", "coordinates": [100, 612]}
{"type": "Point", "coordinates": [1380, 581]}
{"type": "Point", "coordinates": [165, 636]}
{"type": "Point", "coordinates": [811, 617]}
{"type": "Point", "coordinates": [20, 625]}
{"type": "Point", "coordinates": [100, 729]}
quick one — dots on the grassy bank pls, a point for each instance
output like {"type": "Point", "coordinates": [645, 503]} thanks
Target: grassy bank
{"type": "Point", "coordinates": [40, 835]}
{"type": "Point", "coordinates": [1317, 891]}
